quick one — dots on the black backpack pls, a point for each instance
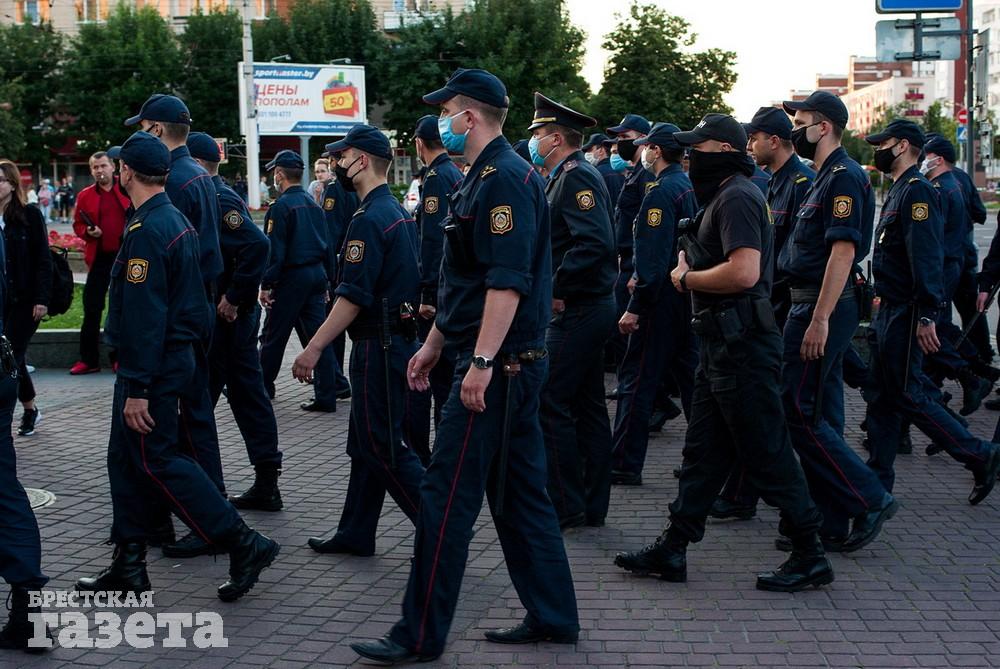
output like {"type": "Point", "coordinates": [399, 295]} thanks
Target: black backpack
{"type": "Point", "coordinates": [62, 282]}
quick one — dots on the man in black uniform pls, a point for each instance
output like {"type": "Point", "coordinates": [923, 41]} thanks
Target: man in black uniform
{"type": "Point", "coordinates": [596, 151]}
{"type": "Point", "coordinates": [736, 412]}
{"type": "Point", "coordinates": [233, 359]}
{"type": "Point", "coordinates": [573, 414]}
{"type": "Point", "coordinates": [156, 318]}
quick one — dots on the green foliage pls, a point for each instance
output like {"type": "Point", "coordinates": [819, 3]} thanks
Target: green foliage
{"type": "Point", "coordinates": [11, 118]}
{"type": "Point", "coordinates": [32, 56]}
{"type": "Point", "coordinates": [653, 72]}
{"type": "Point", "coordinates": [938, 120]}
{"type": "Point", "coordinates": [212, 45]}
{"type": "Point", "coordinates": [857, 148]}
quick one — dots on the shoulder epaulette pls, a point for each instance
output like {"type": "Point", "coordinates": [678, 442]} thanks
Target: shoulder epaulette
{"type": "Point", "coordinates": [838, 168]}
{"type": "Point", "coordinates": [357, 213]}
{"type": "Point", "coordinates": [912, 180]}
{"type": "Point", "coordinates": [937, 184]}
{"type": "Point", "coordinates": [570, 165]}
{"type": "Point", "coordinates": [801, 178]}
{"type": "Point", "coordinates": [488, 170]}
{"type": "Point", "coordinates": [430, 173]}
{"type": "Point", "coordinates": [135, 226]}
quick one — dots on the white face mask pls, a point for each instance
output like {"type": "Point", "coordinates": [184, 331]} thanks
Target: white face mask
{"type": "Point", "coordinates": [591, 158]}
{"type": "Point", "coordinates": [647, 163]}
{"type": "Point", "coordinates": [928, 165]}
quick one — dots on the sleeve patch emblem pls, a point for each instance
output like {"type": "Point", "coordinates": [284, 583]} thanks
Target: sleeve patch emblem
{"type": "Point", "coordinates": [328, 203]}
{"type": "Point", "coordinates": [585, 199]}
{"type": "Point", "coordinates": [268, 226]}
{"type": "Point", "coordinates": [842, 206]}
{"type": "Point", "coordinates": [138, 269]}
{"type": "Point", "coordinates": [233, 219]}
{"type": "Point", "coordinates": [430, 205]}
{"type": "Point", "coordinates": [355, 251]}
{"type": "Point", "coordinates": [919, 211]}
{"type": "Point", "coordinates": [654, 217]}
{"type": "Point", "coordinates": [501, 220]}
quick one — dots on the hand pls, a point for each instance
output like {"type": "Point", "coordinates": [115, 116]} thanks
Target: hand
{"type": "Point", "coordinates": [226, 310]}
{"type": "Point", "coordinates": [265, 299]}
{"type": "Point", "coordinates": [981, 301]}
{"type": "Point", "coordinates": [427, 312]}
{"type": "Point", "coordinates": [927, 338]}
{"type": "Point", "coordinates": [558, 306]}
{"type": "Point", "coordinates": [94, 232]}
{"type": "Point", "coordinates": [305, 363]}
{"type": "Point", "coordinates": [420, 366]}
{"type": "Point", "coordinates": [678, 272]}
{"type": "Point", "coordinates": [474, 388]}
{"type": "Point", "coordinates": [814, 342]}
{"type": "Point", "coordinates": [39, 312]}
{"type": "Point", "coordinates": [630, 284]}
{"type": "Point", "coordinates": [629, 323]}
{"type": "Point", "coordinates": [137, 415]}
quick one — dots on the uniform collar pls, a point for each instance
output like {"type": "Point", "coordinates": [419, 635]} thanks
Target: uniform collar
{"type": "Point", "coordinates": [489, 152]}
{"type": "Point", "coordinates": [911, 171]}
{"type": "Point", "coordinates": [379, 191]}
{"type": "Point", "coordinates": [217, 180]}
{"type": "Point", "coordinates": [180, 152]}
{"type": "Point", "coordinates": [576, 155]}
{"type": "Point", "coordinates": [158, 200]}
{"type": "Point", "coordinates": [836, 156]}
{"type": "Point", "coordinates": [671, 168]}
{"type": "Point", "coordinates": [792, 165]}
{"type": "Point", "coordinates": [440, 160]}
{"type": "Point", "coordinates": [297, 188]}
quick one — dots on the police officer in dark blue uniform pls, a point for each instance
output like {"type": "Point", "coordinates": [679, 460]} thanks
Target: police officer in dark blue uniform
{"type": "Point", "coordinates": [908, 264]}
{"type": "Point", "coordinates": [494, 303]}
{"type": "Point", "coordinates": [658, 318]}
{"type": "Point", "coordinates": [760, 178]}
{"type": "Point", "coordinates": [296, 284]}
{"type": "Point", "coordinates": [378, 284]}
{"type": "Point", "coordinates": [596, 151]}
{"type": "Point", "coordinates": [736, 411]}
{"type": "Point", "coordinates": [156, 318]}
{"type": "Point", "coordinates": [573, 413]}
{"type": "Point", "coordinates": [233, 358]}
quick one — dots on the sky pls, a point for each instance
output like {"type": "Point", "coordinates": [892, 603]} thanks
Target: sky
{"type": "Point", "coordinates": [780, 45]}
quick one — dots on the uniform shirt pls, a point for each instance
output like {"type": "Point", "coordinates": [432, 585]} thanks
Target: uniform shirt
{"type": "Point", "coordinates": [669, 200]}
{"type": "Point", "coordinates": [908, 262]}
{"type": "Point", "coordinates": [613, 179]}
{"type": "Point", "coordinates": [990, 274]}
{"type": "Point", "coordinates": [583, 248]}
{"type": "Point", "coordinates": [191, 190]}
{"type": "Point", "coordinates": [954, 214]}
{"type": "Point", "coordinates": [157, 296]}
{"type": "Point", "coordinates": [840, 206]}
{"type": "Point", "coordinates": [785, 193]}
{"type": "Point", "coordinates": [973, 202]}
{"type": "Point", "coordinates": [244, 247]}
{"type": "Point", "coordinates": [626, 209]}
{"type": "Point", "coordinates": [737, 218]}
{"type": "Point", "coordinates": [760, 178]}
{"type": "Point", "coordinates": [380, 257]}
{"type": "Point", "coordinates": [502, 209]}
{"type": "Point", "coordinates": [297, 229]}
{"type": "Point", "coordinates": [442, 179]}
{"type": "Point", "coordinates": [338, 207]}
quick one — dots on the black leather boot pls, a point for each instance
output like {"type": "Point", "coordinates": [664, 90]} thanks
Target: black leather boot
{"type": "Point", "coordinates": [163, 534]}
{"type": "Point", "coordinates": [191, 545]}
{"type": "Point", "coordinates": [666, 557]}
{"type": "Point", "coordinates": [986, 477]}
{"type": "Point", "coordinates": [20, 630]}
{"type": "Point", "coordinates": [974, 390]}
{"type": "Point", "coordinates": [127, 572]}
{"type": "Point", "coordinates": [263, 495]}
{"type": "Point", "coordinates": [806, 567]}
{"type": "Point", "coordinates": [726, 509]}
{"type": "Point", "coordinates": [250, 553]}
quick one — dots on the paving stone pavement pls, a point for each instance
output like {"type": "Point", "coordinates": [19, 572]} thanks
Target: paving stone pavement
{"type": "Point", "coordinates": [927, 594]}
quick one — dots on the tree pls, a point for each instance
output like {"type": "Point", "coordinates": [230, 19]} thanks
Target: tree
{"type": "Point", "coordinates": [651, 70]}
{"type": "Point", "coordinates": [936, 120]}
{"type": "Point", "coordinates": [212, 46]}
{"type": "Point", "coordinates": [11, 123]}
{"type": "Point", "coordinates": [32, 57]}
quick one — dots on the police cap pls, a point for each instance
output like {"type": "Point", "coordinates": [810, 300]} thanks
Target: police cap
{"type": "Point", "coordinates": [661, 135]}
{"type": "Point", "coordinates": [427, 128]}
{"type": "Point", "coordinates": [476, 84]}
{"type": "Point", "coordinates": [720, 127]}
{"type": "Point", "coordinates": [770, 121]}
{"type": "Point", "coordinates": [899, 129]}
{"type": "Point", "coordinates": [365, 138]}
{"type": "Point", "coordinates": [521, 148]}
{"type": "Point", "coordinates": [163, 108]}
{"type": "Point", "coordinates": [144, 153]}
{"type": "Point", "coordinates": [202, 146]}
{"type": "Point", "coordinates": [286, 158]}
{"type": "Point", "coordinates": [630, 122]}
{"type": "Point", "coordinates": [938, 145]}
{"type": "Point", "coordinates": [827, 104]}
{"type": "Point", "coordinates": [597, 139]}
{"type": "Point", "coordinates": [549, 111]}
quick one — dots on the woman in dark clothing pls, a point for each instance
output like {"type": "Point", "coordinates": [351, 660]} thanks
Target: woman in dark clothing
{"type": "Point", "coordinates": [29, 281]}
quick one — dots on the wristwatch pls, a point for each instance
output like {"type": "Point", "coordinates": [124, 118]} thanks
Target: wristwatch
{"type": "Point", "coordinates": [925, 321]}
{"type": "Point", "coordinates": [482, 362]}
{"type": "Point", "coordinates": [683, 280]}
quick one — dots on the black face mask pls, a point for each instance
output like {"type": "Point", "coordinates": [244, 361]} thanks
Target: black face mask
{"type": "Point", "coordinates": [708, 170]}
{"type": "Point", "coordinates": [884, 159]}
{"type": "Point", "coordinates": [627, 149]}
{"type": "Point", "coordinates": [803, 146]}
{"type": "Point", "coordinates": [342, 177]}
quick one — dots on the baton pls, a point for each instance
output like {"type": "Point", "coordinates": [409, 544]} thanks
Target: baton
{"type": "Point", "coordinates": [386, 337]}
{"type": "Point", "coordinates": [511, 367]}
{"type": "Point", "coordinates": [975, 319]}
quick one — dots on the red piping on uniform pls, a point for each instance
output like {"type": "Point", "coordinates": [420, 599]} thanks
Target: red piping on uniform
{"type": "Point", "coordinates": [174, 240]}
{"type": "Point", "coordinates": [528, 175]}
{"type": "Point", "coordinates": [548, 420]}
{"type": "Point", "coordinates": [942, 430]}
{"type": "Point", "coordinates": [149, 472]}
{"type": "Point", "coordinates": [397, 222]}
{"type": "Point", "coordinates": [195, 178]}
{"type": "Point", "coordinates": [628, 418]}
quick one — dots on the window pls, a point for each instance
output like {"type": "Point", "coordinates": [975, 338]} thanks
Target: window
{"type": "Point", "coordinates": [31, 11]}
{"type": "Point", "coordinates": [91, 10]}
{"type": "Point", "coordinates": [264, 7]}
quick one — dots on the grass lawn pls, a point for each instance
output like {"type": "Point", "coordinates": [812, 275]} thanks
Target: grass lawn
{"type": "Point", "coordinates": [72, 319]}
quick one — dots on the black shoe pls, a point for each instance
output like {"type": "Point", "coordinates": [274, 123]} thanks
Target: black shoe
{"type": "Point", "coordinates": [19, 632]}
{"type": "Point", "coordinates": [336, 545]}
{"type": "Point", "coordinates": [576, 520]}
{"type": "Point", "coordinates": [905, 445]}
{"type": "Point", "coordinates": [974, 391]}
{"type": "Point", "coordinates": [250, 553]}
{"type": "Point", "coordinates": [724, 509]}
{"type": "Point", "coordinates": [666, 557]}
{"type": "Point", "coordinates": [344, 394]}
{"type": "Point", "coordinates": [162, 535]}
{"type": "Point", "coordinates": [993, 404]}
{"type": "Point", "coordinates": [127, 572]}
{"type": "Point", "coordinates": [263, 495]}
{"type": "Point", "coordinates": [867, 526]}
{"type": "Point", "coordinates": [806, 567]}
{"type": "Point", "coordinates": [30, 419]}
{"type": "Point", "coordinates": [619, 477]}
{"type": "Point", "coordinates": [524, 634]}
{"type": "Point", "coordinates": [661, 415]}
{"type": "Point", "coordinates": [986, 477]}
{"type": "Point", "coordinates": [387, 651]}
{"type": "Point", "coordinates": [313, 405]}
{"type": "Point", "coordinates": [830, 544]}
{"type": "Point", "coordinates": [595, 522]}
{"type": "Point", "coordinates": [191, 545]}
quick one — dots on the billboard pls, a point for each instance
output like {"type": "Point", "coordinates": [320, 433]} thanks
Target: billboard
{"type": "Point", "coordinates": [297, 99]}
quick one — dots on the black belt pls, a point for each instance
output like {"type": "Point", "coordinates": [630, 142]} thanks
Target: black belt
{"type": "Point", "coordinates": [810, 294]}
{"type": "Point", "coordinates": [532, 355]}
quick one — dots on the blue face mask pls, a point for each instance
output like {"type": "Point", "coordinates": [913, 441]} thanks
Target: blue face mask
{"type": "Point", "coordinates": [536, 157]}
{"type": "Point", "coordinates": [618, 163]}
{"type": "Point", "coordinates": [454, 143]}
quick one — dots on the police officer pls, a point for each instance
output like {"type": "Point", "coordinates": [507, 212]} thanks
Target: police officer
{"type": "Point", "coordinates": [736, 410]}
{"type": "Point", "coordinates": [573, 413]}
{"type": "Point", "coordinates": [597, 153]}
{"type": "Point", "coordinates": [908, 264]}
{"type": "Point", "coordinates": [191, 191]}
{"type": "Point", "coordinates": [658, 318]}
{"type": "Point", "coordinates": [378, 283]}
{"type": "Point", "coordinates": [494, 302]}
{"type": "Point", "coordinates": [441, 179]}
{"type": "Point", "coordinates": [233, 359]}
{"type": "Point", "coordinates": [156, 318]}
{"type": "Point", "coordinates": [295, 286]}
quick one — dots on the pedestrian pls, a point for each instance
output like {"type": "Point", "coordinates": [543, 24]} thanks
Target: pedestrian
{"type": "Point", "coordinates": [67, 198]}
{"type": "Point", "coordinates": [597, 151]}
{"type": "Point", "coordinates": [45, 196]}
{"type": "Point", "coordinates": [29, 282]}
{"type": "Point", "coordinates": [321, 170]}
{"type": "Point", "coordinates": [265, 191]}
{"type": "Point", "coordinates": [493, 306]}
{"type": "Point", "coordinates": [240, 186]}
{"type": "Point", "coordinates": [157, 317]}
{"type": "Point", "coordinates": [99, 220]}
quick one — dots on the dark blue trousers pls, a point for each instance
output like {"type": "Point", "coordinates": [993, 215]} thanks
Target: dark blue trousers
{"type": "Point", "coordinates": [948, 360]}
{"type": "Point", "coordinates": [619, 342]}
{"type": "Point", "coordinates": [903, 392]}
{"type": "Point", "coordinates": [372, 475]}
{"type": "Point", "coordinates": [662, 346]}
{"type": "Point", "coordinates": [235, 364]}
{"type": "Point", "coordinates": [150, 475]}
{"type": "Point", "coordinates": [417, 417]}
{"type": "Point", "coordinates": [20, 542]}
{"type": "Point", "coordinates": [463, 467]}
{"type": "Point", "coordinates": [574, 414]}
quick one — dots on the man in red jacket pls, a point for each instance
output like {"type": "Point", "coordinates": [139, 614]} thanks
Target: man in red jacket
{"type": "Point", "coordinates": [99, 219]}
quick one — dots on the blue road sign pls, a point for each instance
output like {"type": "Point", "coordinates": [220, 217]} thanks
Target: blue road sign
{"type": "Point", "coordinates": [960, 133]}
{"type": "Point", "coordinates": [910, 6]}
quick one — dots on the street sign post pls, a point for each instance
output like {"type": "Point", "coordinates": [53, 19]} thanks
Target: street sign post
{"type": "Point", "coordinates": [961, 132]}
{"type": "Point", "coordinates": [962, 117]}
{"type": "Point", "coordinates": [913, 6]}
{"type": "Point", "coordinates": [918, 39]}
